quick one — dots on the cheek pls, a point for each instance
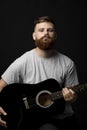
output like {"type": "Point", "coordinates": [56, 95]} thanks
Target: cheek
{"type": "Point", "coordinates": [52, 35]}
{"type": "Point", "coordinates": [38, 36]}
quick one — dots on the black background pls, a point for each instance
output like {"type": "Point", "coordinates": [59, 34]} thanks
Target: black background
{"type": "Point", "coordinates": [16, 27]}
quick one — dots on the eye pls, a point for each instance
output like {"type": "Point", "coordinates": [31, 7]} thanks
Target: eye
{"type": "Point", "coordinates": [51, 30]}
{"type": "Point", "coordinates": [41, 30]}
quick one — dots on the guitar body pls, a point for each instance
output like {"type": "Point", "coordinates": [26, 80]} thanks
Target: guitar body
{"type": "Point", "coordinates": [33, 100]}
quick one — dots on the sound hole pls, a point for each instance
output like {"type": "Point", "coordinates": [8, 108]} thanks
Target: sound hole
{"type": "Point", "coordinates": [44, 99]}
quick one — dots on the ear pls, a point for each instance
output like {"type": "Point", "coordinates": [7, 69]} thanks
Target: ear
{"type": "Point", "coordinates": [33, 35]}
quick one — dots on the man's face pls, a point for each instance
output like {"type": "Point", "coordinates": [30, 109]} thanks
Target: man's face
{"type": "Point", "coordinates": [44, 35]}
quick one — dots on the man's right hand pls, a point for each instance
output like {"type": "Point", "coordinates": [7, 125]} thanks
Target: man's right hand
{"type": "Point", "coordinates": [2, 112]}
{"type": "Point", "coordinates": [2, 122]}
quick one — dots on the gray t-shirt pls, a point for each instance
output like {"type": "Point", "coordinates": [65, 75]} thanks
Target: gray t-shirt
{"type": "Point", "coordinates": [32, 68]}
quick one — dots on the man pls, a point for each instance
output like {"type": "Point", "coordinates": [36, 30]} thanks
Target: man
{"type": "Point", "coordinates": [41, 63]}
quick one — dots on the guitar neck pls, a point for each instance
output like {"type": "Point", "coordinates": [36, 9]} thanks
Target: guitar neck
{"type": "Point", "coordinates": [56, 95]}
{"type": "Point", "coordinates": [78, 89]}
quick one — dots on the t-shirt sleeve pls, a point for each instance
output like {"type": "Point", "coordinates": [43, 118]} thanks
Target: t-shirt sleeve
{"type": "Point", "coordinates": [13, 73]}
{"type": "Point", "coordinates": [71, 77]}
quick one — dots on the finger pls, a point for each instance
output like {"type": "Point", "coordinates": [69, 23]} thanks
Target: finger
{"type": "Point", "coordinates": [2, 122]}
{"type": "Point", "coordinates": [2, 111]}
{"type": "Point", "coordinates": [65, 91]}
{"type": "Point", "coordinates": [71, 91]}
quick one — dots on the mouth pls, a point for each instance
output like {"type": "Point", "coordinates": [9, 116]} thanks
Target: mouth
{"type": "Point", "coordinates": [46, 38]}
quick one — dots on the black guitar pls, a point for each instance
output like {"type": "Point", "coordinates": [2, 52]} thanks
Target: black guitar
{"type": "Point", "coordinates": [35, 100]}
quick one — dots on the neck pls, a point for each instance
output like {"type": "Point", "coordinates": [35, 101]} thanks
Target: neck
{"type": "Point", "coordinates": [44, 53]}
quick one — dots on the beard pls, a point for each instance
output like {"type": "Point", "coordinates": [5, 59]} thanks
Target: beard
{"type": "Point", "coordinates": [45, 43]}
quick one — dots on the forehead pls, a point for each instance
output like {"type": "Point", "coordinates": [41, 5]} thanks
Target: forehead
{"type": "Point", "coordinates": [44, 25]}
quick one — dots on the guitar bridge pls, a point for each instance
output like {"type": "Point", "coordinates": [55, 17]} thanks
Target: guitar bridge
{"type": "Point", "coordinates": [26, 102]}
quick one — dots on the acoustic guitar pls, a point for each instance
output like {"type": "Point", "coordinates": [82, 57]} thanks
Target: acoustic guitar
{"type": "Point", "coordinates": [42, 100]}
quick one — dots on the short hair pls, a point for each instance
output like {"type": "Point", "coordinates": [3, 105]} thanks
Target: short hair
{"type": "Point", "coordinates": [44, 19]}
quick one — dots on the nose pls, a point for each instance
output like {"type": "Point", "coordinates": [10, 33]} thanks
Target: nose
{"type": "Point", "coordinates": [45, 32]}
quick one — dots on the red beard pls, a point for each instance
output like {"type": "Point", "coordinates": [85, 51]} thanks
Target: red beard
{"type": "Point", "coordinates": [45, 43]}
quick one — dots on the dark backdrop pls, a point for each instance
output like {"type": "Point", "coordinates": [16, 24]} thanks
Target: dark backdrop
{"type": "Point", "coordinates": [16, 26]}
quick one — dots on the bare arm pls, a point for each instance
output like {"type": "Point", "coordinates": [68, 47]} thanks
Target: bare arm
{"type": "Point", "coordinates": [2, 85]}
